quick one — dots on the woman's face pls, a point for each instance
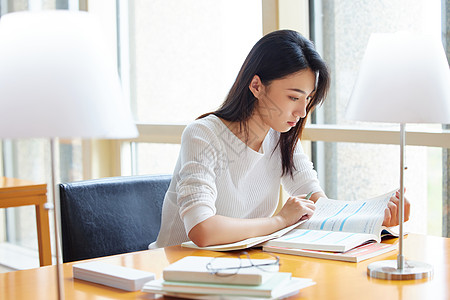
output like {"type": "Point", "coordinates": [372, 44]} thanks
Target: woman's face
{"type": "Point", "coordinates": [283, 102]}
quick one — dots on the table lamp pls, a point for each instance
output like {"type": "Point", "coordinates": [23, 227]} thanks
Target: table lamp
{"type": "Point", "coordinates": [58, 79]}
{"type": "Point", "coordinates": [403, 78]}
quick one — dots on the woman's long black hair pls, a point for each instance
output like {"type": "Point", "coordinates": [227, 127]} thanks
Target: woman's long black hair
{"type": "Point", "coordinates": [275, 56]}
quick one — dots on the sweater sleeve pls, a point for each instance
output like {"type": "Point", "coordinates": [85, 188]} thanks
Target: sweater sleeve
{"type": "Point", "coordinates": [200, 162]}
{"type": "Point", "coordinates": [305, 177]}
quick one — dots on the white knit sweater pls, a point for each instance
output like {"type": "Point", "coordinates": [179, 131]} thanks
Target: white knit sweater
{"type": "Point", "coordinates": [217, 173]}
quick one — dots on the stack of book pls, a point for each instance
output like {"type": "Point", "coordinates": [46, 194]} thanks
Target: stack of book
{"type": "Point", "coordinates": [196, 277]}
{"type": "Point", "coordinates": [356, 254]}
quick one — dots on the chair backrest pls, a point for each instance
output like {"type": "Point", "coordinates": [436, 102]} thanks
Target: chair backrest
{"type": "Point", "coordinates": [110, 216]}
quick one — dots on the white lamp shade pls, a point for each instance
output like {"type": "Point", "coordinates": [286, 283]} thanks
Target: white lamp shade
{"type": "Point", "coordinates": [403, 78]}
{"type": "Point", "coordinates": [58, 78]}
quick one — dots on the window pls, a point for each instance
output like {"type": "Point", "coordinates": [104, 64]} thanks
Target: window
{"type": "Point", "coordinates": [183, 59]}
{"type": "Point", "coordinates": [341, 30]}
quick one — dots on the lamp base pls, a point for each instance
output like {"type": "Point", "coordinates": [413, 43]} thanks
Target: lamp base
{"type": "Point", "coordinates": [387, 269]}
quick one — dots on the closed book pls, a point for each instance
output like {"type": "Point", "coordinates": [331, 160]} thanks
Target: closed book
{"type": "Point", "coordinates": [111, 275]}
{"type": "Point", "coordinates": [230, 270]}
{"type": "Point", "coordinates": [357, 254]}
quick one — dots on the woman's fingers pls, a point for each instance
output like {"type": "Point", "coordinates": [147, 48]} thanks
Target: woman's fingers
{"type": "Point", "coordinates": [296, 209]}
{"type": "Point", "coordinates": [391, 217]}
{"type": "Point", "coordinates": [387, 217]}
{"type": "Point", "coordinates": [393, 210]}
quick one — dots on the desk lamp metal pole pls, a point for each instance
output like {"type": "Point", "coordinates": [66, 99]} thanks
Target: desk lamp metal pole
{"type": "Point", "coordinates": [401, 212]}
{"type": "Point", "coordinates": [400, 269]}
{"type": "Point", "coordinates": [59, 271]}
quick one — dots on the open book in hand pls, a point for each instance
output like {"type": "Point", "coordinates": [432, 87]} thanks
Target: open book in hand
{"type": "Point", "coordinates": [336, 225]}
{"type": "Point", "coordinates": [339, 225]}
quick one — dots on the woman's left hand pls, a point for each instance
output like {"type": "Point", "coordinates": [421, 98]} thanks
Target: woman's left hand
{"type": "Point", "coordinates": [391, 212]}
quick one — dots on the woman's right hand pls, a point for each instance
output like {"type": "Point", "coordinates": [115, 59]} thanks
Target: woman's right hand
{"type": "Point", "coordinates": [296, 209]}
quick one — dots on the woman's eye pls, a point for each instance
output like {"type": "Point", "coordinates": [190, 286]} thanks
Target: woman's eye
{"type": "Point", "coordinates": [294, 98]}
{"type": "Point", "coordinates": [308, 98]}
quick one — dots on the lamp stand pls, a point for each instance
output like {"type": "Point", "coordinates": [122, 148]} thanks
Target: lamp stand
{"type": "Point", "coordinates": [59, 272]}
{"type": "Point", "coordinates": [400, 269]}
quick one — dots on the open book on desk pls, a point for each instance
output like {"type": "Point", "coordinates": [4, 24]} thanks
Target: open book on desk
{"type": "Point", "coordinates": [336, 225]}
{"type": "Point", "coordinates": [339, 226]}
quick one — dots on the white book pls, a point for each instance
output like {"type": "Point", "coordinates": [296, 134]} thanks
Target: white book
{"type": "Point", "coordinates": [361, 217]}
{"type": "Point", "coordinates": [194, 269]}
{"type": "Point", "coordinates": [112, 275]}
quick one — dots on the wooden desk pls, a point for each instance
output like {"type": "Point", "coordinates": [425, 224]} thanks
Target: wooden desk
{"type": "Point", "coordinates": [335, 280]}
{"type": "Point", "coordinates": [18, 192]}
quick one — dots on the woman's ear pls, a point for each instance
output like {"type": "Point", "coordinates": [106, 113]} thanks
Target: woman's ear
{"type": "Point", "coordinates": [256, 86]}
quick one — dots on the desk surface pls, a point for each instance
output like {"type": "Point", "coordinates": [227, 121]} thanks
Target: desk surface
{"type": "Point", "coordinates": [335, 280]}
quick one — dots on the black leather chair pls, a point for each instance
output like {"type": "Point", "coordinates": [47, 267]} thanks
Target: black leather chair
{"type": "Point", "coordinates": [110, 216]}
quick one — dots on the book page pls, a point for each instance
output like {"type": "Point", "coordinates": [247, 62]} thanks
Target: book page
{"type": "Point", "coordinates": [365, 216]}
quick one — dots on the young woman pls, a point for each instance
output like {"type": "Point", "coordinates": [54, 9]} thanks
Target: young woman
{"type": "Point", "coordinates": [225, 186]}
